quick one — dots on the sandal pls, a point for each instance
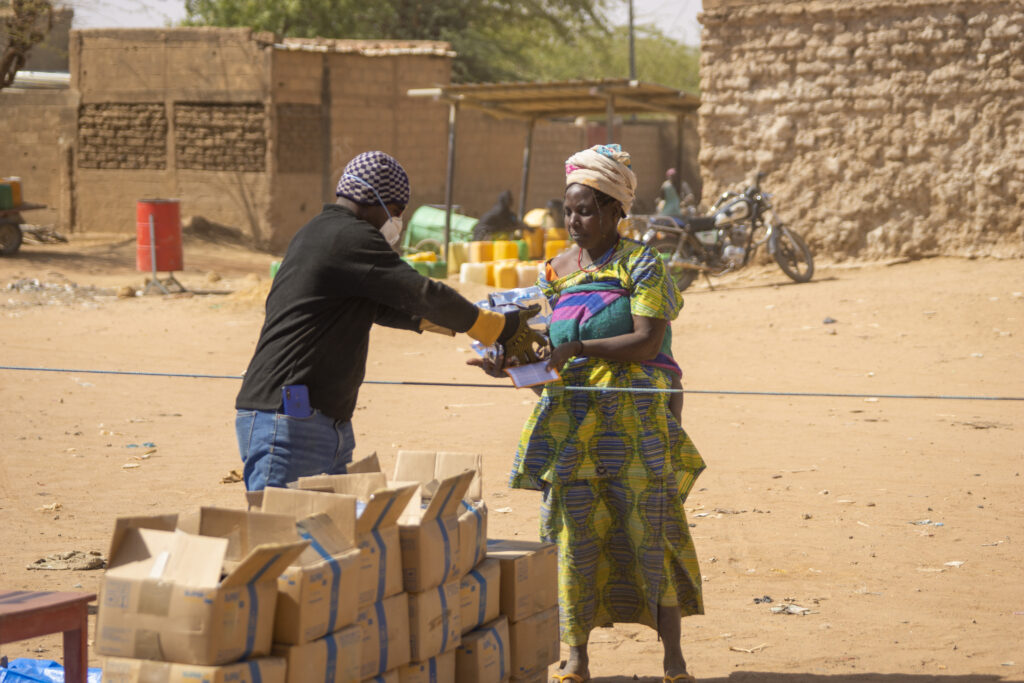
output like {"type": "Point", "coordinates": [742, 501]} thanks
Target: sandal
{"type": "Point", "coordinates": [680, 678]}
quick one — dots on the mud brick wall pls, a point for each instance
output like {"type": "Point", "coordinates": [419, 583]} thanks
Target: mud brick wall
{"type": "Point", "coordinates": [172, 70]}
{"type": "Point", "coordinates": [129, 136]}
{"type": "Point", "coordinates": [888, 127]}
{"type": "Point", "coordinates": [220, 137]}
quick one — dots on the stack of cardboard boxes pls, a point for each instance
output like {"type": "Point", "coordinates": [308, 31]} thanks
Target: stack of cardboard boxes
{"type": "Point", "coordinates": [174, 607]}
{"type": "Point", "coordinates": [344, 578]}
{"type": "Point", "coordinates": [529, 603]}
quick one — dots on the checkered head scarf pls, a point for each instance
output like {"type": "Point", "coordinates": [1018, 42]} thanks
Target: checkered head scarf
{"type": "Point", "coordinates": [373, 175]}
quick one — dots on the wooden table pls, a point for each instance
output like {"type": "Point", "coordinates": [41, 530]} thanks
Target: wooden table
{"type": "Point", "coordinates": [28, 614]}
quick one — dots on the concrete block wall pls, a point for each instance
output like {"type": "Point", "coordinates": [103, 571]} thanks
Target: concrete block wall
{"type": "Point", "coordinates": [254, 137]}
{"type": "Point", "coordinates": [213, 87]}
{"type": "Point", "coordinates": [37, 133]}
{"type": "Point", "coordinates": [298, 142]}
{"type": "Point", "coordinates": [888, 127]}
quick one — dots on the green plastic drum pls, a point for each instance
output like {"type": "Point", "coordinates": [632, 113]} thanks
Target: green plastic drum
{"type": "Point", "coordinates": [425, 230]}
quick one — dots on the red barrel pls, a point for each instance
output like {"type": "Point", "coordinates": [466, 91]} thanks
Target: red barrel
{"type": "Point", "coordinates": [166, 215]}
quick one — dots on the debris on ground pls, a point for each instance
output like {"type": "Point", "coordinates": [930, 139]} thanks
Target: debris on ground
{"type": "Point", "coordinates": [749, 651]}
{"type": "Point", "coordinates": [34, 292]}
{"type": "Point", "coordinates": [73, 559]}
{"type": "Point", "coordinates": [791, 608]}
{"type": "Point", "coordinates": [233, 477]}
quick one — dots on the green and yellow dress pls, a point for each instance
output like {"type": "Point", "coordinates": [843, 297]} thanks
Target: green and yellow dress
{"type": "Point", "coordinates": [614, 467]}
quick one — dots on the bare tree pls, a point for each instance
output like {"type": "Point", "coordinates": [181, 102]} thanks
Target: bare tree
{"type": "Point", "coordinates": [27, 24]}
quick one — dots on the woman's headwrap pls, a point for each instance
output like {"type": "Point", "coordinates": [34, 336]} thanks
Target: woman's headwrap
{"type": "Point", "coordinates": [606, 168]}
{"type": "Point", "coordinates": [377, 170]}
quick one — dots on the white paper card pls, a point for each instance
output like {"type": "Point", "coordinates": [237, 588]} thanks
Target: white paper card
{"type": "Point", "coordinates": [532, 374]}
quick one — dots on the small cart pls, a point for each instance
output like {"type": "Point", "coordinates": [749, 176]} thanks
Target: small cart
{"type": "Point", "coordinates": [10, 227]}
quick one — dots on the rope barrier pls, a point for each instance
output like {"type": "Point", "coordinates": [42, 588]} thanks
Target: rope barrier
{"type": "Point", "coordinates": [636, 390]}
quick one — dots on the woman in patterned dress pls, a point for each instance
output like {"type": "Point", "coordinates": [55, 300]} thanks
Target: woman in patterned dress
{"type": "Point", "coordinates": [614, 467]}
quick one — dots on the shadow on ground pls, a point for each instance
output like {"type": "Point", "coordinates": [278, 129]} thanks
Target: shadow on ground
{"type": "Point", "coordinates": [766, 677]}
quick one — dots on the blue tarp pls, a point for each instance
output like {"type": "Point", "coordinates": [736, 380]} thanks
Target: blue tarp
{"type": "Point", "coordinates": [24, 670]}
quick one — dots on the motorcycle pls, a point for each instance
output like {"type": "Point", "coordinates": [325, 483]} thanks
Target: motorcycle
{"type": "Point", "coordinates": [727, 239]}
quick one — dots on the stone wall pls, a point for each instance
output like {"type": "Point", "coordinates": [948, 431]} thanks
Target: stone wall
{"type": "Point", "coordinates": [888, 127]}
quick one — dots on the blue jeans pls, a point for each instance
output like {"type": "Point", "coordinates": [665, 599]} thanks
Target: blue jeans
{"type": "Point", "coordinates": [278, 448]}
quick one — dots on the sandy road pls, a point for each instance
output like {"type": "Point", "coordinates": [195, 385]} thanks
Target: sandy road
{"type": "Point", "coordinates": [814, 502]}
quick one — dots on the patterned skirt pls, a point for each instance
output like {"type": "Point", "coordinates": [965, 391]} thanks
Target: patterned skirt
{"type": "Point", "coordinates": [615, 469]}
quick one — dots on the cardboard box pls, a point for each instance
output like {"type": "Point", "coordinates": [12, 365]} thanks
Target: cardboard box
{"type": "Point", "coordinates": [385, 626]}
{"type": "Point", "coordinates": [430, 536]}
{"type": "Point", "coordinates": [388, 677]}
{"type": "Point", "coordinates": [428, 469]}
{"type": "Point", "coordinates": [534, 643]}
{"type": "Point", "coordinates": [484, 655]}
{"type": "Point", "coordinates": [259, 670]}
{"type": "Point", "coordinates": [378, 510]}
{"type": "Point", "coordinates": [539, 677]}
{"type": "Point", "coordinates": [439, 669]}
{"type": "Point", "coordinates": [434, 621]}
{"type": "Point", "coordinates": [370, 463]}
{"type": "Point", "coordinates": [529, 576]}
{"type": "Point", "coordinates": [163, 596]}
{"type": "Point", "coordinates": [472, 533]}
{"type": "Point", "coordinates": [335, 658]}
{"type": "Point", "coordinates": [314, 594]}
{"type": "Point", "coordinates": [427, 466]}
{"type": "Point", "coordinates": [480, 595]}
{"type": "Point", "coordinates": [311, 601]}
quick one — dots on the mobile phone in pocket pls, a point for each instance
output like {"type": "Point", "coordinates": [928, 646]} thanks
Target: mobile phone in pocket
{"type": "Point", "coordinates": [295, 400]}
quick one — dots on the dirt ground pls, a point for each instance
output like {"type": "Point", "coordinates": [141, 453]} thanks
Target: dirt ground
{"type": "Point", "coordinates": [898, 523]}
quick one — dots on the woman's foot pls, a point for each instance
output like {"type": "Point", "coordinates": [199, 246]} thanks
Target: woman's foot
{"type": "Point", "coordinates": [576, 669]}
{"type": "Point", "coordinates": [670, 629]}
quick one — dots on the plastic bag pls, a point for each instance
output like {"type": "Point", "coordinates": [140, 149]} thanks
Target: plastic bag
{"type": "Point", "coordinates": [24, 670]}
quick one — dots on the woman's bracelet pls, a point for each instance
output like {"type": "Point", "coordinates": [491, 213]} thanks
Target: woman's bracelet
{"type": "Point", "coordinates": [580, 352]}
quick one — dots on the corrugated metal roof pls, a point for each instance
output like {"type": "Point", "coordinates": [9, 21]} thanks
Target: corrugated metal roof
{"type": "Point", "coordinates": [529, 100]}
{"type": "Point", "coordinates": [368, 48]}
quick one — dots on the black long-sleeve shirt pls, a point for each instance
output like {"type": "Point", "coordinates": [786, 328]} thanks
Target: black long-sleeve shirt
{"type": "Point", "coordinates": [338, 277]}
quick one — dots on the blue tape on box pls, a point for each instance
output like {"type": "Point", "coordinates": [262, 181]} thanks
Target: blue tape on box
{"type": "Point", "coordinates": [335, 579]}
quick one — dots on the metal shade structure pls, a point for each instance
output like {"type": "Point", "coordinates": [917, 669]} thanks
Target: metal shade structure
{"type": "Point", "coordinates": [530, 102]}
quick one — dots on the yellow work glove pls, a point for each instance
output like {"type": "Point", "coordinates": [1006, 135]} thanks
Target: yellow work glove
{"type": "Point", "coordinates": [512, 330]}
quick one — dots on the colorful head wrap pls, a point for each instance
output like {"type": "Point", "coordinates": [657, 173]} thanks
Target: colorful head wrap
{"type": "Point", "coordinates": [378, 172]}
{"type": "Point", "coordinates": [606, 168]}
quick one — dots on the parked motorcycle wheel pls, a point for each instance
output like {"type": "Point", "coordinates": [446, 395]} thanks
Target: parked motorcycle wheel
{"type": "Point", "coordinates": [792, 254]}
{"type": "Point", "coordinates": [683, 277]}
{"type": "Point", "coordinates": [10, 238]}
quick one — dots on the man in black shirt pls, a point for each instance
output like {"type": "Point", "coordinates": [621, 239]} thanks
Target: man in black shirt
{"type": "Point", "coordinates": [339, 276]}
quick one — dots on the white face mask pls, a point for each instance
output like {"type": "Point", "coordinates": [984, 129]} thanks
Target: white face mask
{"type": "Point", "coordinates": [392, 228]}
{"type": "Point", "coordinates": [392, 231]}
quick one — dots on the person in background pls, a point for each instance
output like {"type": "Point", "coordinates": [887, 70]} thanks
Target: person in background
{"type": "Point", "coordinates": [499, 222]}
{"type": "Point", "coordinates": [340, 276]}
{"type": "Point", "coordinates": [614, 467]}
{"type": "Point", "coordinates": [668, 196]}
